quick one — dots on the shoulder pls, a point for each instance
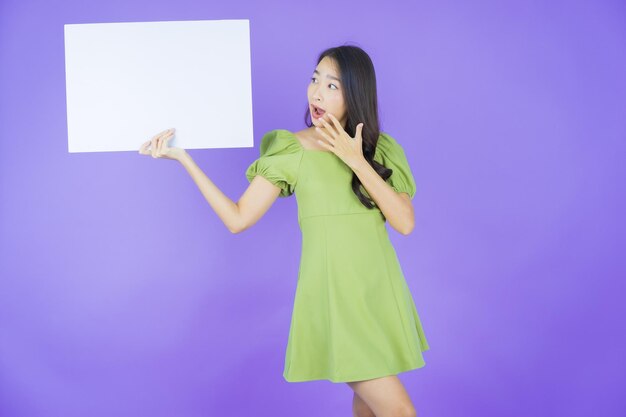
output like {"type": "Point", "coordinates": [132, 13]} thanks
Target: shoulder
{"type": "Point", "coordinates": [387, 147]}
{"type": "Point", "coordinates": [386, 141]}
{"type": "Point", "coordinates": [279, 141]}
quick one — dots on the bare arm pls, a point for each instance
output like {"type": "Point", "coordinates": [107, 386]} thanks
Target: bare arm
{"type": "Point", "coordinates": [239, 216]}
{"type": "Point", "coordinates": [397, 207]}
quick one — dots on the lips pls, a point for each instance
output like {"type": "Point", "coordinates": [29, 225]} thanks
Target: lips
{"type": "Point", "coordinates": [319, 110]}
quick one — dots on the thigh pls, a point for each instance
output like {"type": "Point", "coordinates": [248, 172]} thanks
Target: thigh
{"type": "Point", "coordinates": [384, 396]}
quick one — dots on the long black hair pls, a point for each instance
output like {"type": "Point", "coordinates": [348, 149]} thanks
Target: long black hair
{"type": "Point", "coordinates": [359, 93]}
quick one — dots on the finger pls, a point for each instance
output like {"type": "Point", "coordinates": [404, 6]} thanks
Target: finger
{"type": "Point", "coordinates": [142, 148]}
{"type": "Point", "coordinates": [153, 146]}
{"type": "Point", "coordinates": [325, 145]}
{"type": "Point", "coordinates": [158, 148]}
{"type": "Point", "coordinates": [359, 137]}
{"type": "Point", "coordinates": [160, 145]}
{"type": "Point", "coordinates": [158, 135]}
{"type": "Point", "coordinates": [328, 126]}
{"type": "Point", "coordinates": [163, 145]}
{"type": "Point", "coordinates": [336, 123]}
{"type": "Point", "coordinates": [359, 129]}
{"type": "Point", "coordinates": [159, 142]}
{"type": "Point", "coordinates": [166, 131]}
{"type": "Point", "coordinates": [326, 136]}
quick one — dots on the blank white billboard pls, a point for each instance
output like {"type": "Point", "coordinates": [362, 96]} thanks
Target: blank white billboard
{"type": "Point", "coordinates": [126, 82]}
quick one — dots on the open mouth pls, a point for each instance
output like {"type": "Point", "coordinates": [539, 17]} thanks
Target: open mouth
{"type": "Point", "coordinates": [318, 112]}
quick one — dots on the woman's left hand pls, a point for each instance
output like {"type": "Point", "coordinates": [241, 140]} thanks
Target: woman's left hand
{"type": "Point", "coordinates": [338, 141]}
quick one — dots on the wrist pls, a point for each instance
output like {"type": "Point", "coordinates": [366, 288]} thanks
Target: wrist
{"type": "Point", "coordinates": [184, 157]}
{"type": "Point", "coordinates": [361, 165]}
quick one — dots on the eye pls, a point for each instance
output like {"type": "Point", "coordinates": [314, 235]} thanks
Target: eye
{"type": "Point", "coordinates": [313, 78]}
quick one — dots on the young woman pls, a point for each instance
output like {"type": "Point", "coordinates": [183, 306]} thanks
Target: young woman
{"type": "Point", "coordinates": [353, 319]}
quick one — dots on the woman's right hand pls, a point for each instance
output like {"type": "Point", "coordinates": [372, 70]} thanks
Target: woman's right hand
{"type": "Point", "coordinates": [158, 146]}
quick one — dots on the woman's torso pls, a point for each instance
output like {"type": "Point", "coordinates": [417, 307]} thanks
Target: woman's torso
{"type": "Point", "coordinates": [324, 186]}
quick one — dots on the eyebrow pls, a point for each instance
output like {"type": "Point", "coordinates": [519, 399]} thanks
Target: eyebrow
{"type": "Point", "coordinates": [327, 76]}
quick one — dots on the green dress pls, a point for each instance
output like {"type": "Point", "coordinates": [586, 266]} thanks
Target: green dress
{"type": "Point", "coordinates": [353, 315]}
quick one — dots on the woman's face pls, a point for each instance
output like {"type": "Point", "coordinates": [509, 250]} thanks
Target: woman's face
{"type": "Point", "coordinates": [325, 92]}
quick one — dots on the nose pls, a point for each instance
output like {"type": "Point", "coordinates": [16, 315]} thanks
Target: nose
{"type": "Point", "coordinates": [315, 96]}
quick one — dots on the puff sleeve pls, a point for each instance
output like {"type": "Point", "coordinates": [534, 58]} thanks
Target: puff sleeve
{"type": "Point", "coordinates": [391, 155]}
{"type": "Point", "coordinates": [279, 161]}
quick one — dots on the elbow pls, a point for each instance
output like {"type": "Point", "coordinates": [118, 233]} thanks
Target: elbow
{"type": "Point", "coordinates": [406, 232]}
{"type": "Point", "coordinates": [237, 228]}
{"type": "Point", "coordinates": [407, 229]}
{"type": "Point", "coordinates": [234, 228]}
{"type": "Point", "coordinates": [236, 224]}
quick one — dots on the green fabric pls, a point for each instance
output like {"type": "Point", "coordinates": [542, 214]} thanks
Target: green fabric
{"type": "Point", "coordinates": [353, 315]}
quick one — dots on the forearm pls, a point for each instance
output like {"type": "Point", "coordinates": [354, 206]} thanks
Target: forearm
{"type": "Point", "coordinates": [396, 209]}
{"type": "Point", "coordinates": [224, 207]}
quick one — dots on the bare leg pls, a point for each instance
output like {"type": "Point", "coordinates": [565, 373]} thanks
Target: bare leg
{"type": "Point", "coordinates": [360, 407]}
{"type": "Point", "coordinates": [385, 396]}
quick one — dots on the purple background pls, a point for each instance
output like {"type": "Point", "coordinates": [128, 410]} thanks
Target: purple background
{"type": "Point", "coordinates": [123, 294]}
